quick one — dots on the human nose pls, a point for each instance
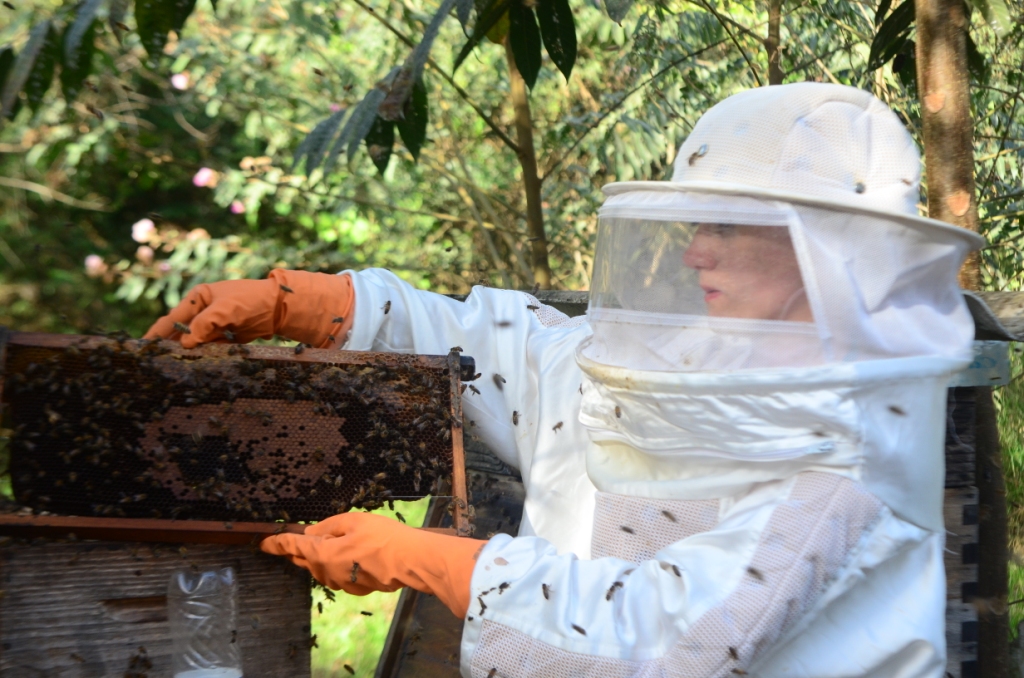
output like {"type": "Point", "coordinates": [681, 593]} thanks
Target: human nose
{"type": "Point", "coordinates": [699, 255]}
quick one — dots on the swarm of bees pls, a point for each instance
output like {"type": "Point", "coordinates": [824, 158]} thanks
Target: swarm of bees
{"type": "Point", "coordinates": [135, 429]}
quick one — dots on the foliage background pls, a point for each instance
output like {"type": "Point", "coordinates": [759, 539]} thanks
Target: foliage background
{"type": "Point", "coordinates": [201, 144]}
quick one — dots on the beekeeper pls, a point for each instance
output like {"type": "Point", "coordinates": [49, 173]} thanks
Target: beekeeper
{"type": "Point", "coordinates": [734, 464]}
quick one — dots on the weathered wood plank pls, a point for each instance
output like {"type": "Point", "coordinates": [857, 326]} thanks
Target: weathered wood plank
{"type": "Point", "coordinates": [83, 609]}
{"type": "Point", "coordinates": [960, 510]}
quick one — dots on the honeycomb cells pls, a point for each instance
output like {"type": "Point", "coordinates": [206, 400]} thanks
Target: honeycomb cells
{"type": "Point", "coordinates": [144, 430]}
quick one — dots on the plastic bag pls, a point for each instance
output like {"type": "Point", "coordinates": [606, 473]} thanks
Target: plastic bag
{"type": "Point", "coordinates": [202, 610]}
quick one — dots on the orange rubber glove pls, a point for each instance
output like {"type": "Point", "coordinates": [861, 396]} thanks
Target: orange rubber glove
{"type": "Point", "coordinates": [361, 552]}
{"type": "Point", "coordinates": [312, 308]}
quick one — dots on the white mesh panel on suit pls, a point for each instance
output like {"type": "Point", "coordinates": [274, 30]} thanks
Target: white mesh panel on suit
{"type": "Point", "coordinates": [635, 528]}
{"type": "Point", "coordinates": [552, 317]}
{"type": "Point", "coordinates": [805, 543]}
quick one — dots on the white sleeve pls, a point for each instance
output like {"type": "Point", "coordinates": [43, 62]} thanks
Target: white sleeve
{"type": "Point", "coordinates": [495, 327]}
{"type": "Point", "coordinates": [710, 604]}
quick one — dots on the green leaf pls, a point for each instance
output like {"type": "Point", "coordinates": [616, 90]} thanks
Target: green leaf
{"type": "Point", "coordinates": [22, 68]}
{"type": "Point", "coordinates": [413, 127]}
{"type": "Point", "coordinates": [315, 145]}
{"type": "Point", "coordinates": [883, 9]}
{"type": "Point", "coordinates": [463, 8]}
{"type": "Point", "coordinates": [74, 72]}
{"type": "Point", "coordinates": [904, 65]}
{"type": "Point", "coordinates": [41, 77]}
{"type": "Point", "coordinates": [394, 104]}
{"type": "Point", "coordinates": [892, 35]}
{"type": "Point", "coordinates": [116, 14]}
{"type": "Point", "coordinates": [558, 29]}
{"type": "Point", "coordinates": [357, 126]}
{"type": "Point", "coordinates": [492, 13]}
{"type": "Point", "coordinates": [977, 64]}
{"type": "Point", "coordinates": [525, 40]}
{"type": "Point", "coordinates": [618, 9]}
{"type": "Point", "coordinates": [181, 10]}
{"type": "Point", "coordinates": [6, 64]}
{"type": "Point", "coordinates": [154, 19]}
{"type": "Point", "coordinates": [379, 142]}
{"type": "Point", "coordinates": [996, 13]}
{"type": "Point", "coordinates": [75, 33]}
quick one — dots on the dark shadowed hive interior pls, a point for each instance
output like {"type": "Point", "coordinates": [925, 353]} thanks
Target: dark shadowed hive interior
{"type": "Point", "coordinates": [112, 427]}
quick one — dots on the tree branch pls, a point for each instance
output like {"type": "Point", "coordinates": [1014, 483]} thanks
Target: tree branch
{"type": "Point", "coordinates": [48, 194]}
{"type": "Point", "coordinates": [724, 23]}
{"type": "Point", "coordinates": [671, 65]}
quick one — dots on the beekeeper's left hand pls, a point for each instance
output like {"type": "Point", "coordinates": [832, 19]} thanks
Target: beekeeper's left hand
{"type": "Point", "coordinates": [361, 552]}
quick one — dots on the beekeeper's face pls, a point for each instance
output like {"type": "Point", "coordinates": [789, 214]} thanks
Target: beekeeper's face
{"type": "Point", "coordinates": [748, 272]}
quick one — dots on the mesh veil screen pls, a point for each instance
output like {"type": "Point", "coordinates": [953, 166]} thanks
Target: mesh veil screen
{"type": "Point", "coordinates": [137, 429]}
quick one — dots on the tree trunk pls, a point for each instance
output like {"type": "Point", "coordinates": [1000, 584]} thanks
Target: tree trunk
{"type": "Point", "coordinates": [531, 179]}
{"type": "Point", "coordinates": [944, 90]}
{"type": "Point", "coordinates": [773, 43]}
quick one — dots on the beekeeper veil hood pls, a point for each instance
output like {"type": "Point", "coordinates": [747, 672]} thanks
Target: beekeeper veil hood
{"type": "Point", "coordinates": [778, 306]}
{"type": "Point", "coordinates": [788, 237]}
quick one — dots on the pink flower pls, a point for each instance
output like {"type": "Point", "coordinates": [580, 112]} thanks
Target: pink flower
{"type": "Point", "coordinates": [145, 254]}
{"type": "Point", "coordinates": [237, 207]}
{"type": "Point", "coordinates": [95, 266]}
{"type": "Point", "coordinates": [143, 230]}
{"type": "Point", "coordinates": [164, 267]}
{"type": "Point", "coordinates": [205, 177]}
{"type": "Point", "coordinates": [179, 80]}
{"type": "Point", "coordinates": [335, 108]}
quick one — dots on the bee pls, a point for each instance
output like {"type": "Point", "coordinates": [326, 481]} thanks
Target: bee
{"type": "Point", "coordinates": [618, 412]}
{"type": "Point", "coordinates": [557, 427]}
{"type": "Point", "coordinates": [350, 669]}
{"type": "Point", "coordinates": [611, 590]}
{"type": "Point", "coordinates": [739, 672]}
{"type": "Point", "coordinates": [579, 629]}
{"type": "Point", "coordinates": [474, 389]}
{"type": "Point", "coordinates": [668, 514]}
{"type": "Point", "coordinates": [455, 349]}
{"type": "Point", "coordinates": [337, 481]}
{"type": "Point", "coordinates": [492, 673]}
{"type": "Point", "coordinates": [483, 606]}
{"type": "Point", "coordinates": [77, 657]}
{"type": "Point", "coordinates": [536, 286]}
{"type": "Point", "coordinates": [400, 517]}
{"type": "Point", "coordinates": [755, 573]}
{"type": "Point", "coordinates": [532, 307]}
{"type": "Point", "coordinates": [676, 572]}
{"type": "Point", "coordinates": [285, 288]}
{"type": "Point", "coordinates": [503, 324]}
{"type": "Point", "coordinates": [546, 590]}
{"type": "Point", "coordinates": [234, 635]}
{"type": "Point", "coordinates": [312, 641]}
{"type": "Point", "coordinates": [502, 586]}
{"type": "Point", "coordinates": [339, 319]}
{"type": "Point", "coordinates": [387, 306]}
{"type": "Point", "coordinates": [733, 654]}
{"type": "Point", "coordinates": [318, 454]}
{"type": "Point", "coordinates": [699, 153]}
{"type": "Point", "coordinates": [499, 381]}
{"type": "Point", "coordinates": [182, 327]}
{"type": "Point", "coordinates": [411, 653]}
{"type": "Point", "coordinates": [897, 410]}
{"type": "Point", "coordinates": [124, 27]}
{"type": "Point", "coordinates": [229, 335]}
{"type": "Point", "coordinates": [318, 71]}
{"type": "Point", "coordinates": [380, 476]}
{"type": "Point", "coordinates": [292, 650]}
{"type": "Point", "coordinates": [320, 607]}
{"type": "Point", "coordinates": [365, 613]}
{"type": "Point", "coordinates": [299, 348]}
{"type": "Point", "coordinates": [355, 572]}
{"type": "Point", "coordinates": [515, 417]}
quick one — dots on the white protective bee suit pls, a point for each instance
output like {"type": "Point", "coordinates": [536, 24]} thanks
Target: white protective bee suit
{"type": "Point", "coordinates": [746, 489]}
